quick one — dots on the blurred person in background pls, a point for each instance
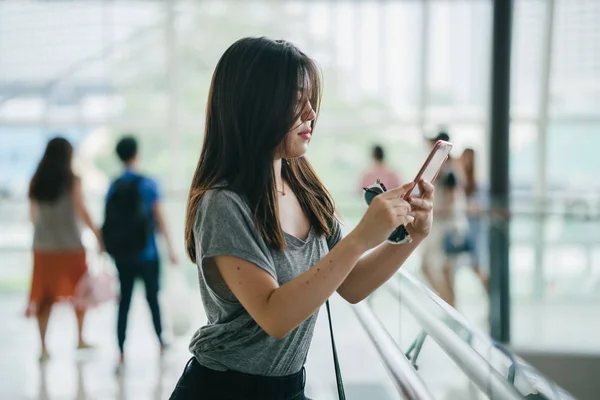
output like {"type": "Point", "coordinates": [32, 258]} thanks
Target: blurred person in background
{"type": "Point", "coordinates": [133, 216]}
{"type": "Point", "coordinates": [379, 169]}
{"type": "Point", "coordinates": [262, 229]}
{"type": "Point", "coordinates": [448, 238]}
{"type": "Point", "coordinates": [475, 197]}
{"type": "Point", "coordinates": [59, 262]}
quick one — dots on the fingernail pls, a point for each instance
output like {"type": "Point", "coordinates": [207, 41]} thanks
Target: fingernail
{"type": "Point", "coordinates": [410, 218]}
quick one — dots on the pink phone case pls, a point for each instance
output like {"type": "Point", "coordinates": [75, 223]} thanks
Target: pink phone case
{"type": "Point", "coordinates": [440, 145]}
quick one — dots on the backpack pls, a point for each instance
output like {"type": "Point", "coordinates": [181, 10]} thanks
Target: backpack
{"type": "Point", "coordinates": [127, 227]}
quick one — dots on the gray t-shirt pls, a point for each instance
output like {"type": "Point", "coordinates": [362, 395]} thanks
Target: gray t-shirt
{"type": "Point", "coordinates": [231, 339]}
{"type": "Point", "coordinates": [56, 226]}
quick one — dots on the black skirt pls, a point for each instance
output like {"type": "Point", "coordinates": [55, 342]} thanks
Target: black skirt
{"type": "Point", "coordinates": [201, 383]}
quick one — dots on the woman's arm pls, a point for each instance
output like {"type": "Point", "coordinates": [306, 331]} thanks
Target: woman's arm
{"type": "Point", "coordinates": [375, 268]}
{"type": "Point", "coordinates": [32, 211]}
{"type": "Point", "coordinates": [80, 207]}
{"type": "Point", "coordinates": [83, 213]}
{"type": "Point", "coordinates": [280, 309]}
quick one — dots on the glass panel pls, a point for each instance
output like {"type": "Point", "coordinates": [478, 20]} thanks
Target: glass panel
{"type": "Point", "coordinates": [527, 47]}
{"type": "Point", "coordinates": [523, 160]}
{"type": "Point", "coordinates": [459, 60]}
{"type": "Point", "coordinates": [575, 77]}
{"type": "Point", "coordinates": [401, 52]}
{"type": "Point", "coordinates": [554, 270]}
{"type": "Point", "coordinates": [573, 158]}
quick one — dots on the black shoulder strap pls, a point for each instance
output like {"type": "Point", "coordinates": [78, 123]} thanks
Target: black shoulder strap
{"type": "Point", "coordinates": [336, 363]}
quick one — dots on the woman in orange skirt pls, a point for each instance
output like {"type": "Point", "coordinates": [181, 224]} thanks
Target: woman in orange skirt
{"type": "Point", "coordinates": [56, 204]}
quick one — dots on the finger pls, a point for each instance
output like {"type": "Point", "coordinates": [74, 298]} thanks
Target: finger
{"type": "Point", "coordinates": [401, 204]}
{"type": "Point", "coordinates": [406, 220]}
{"type": "Point", "coordinates": [427, 189]}
{"type": "Point", "coordinates": [421, 215]}
{"type": "Point", "coordinates": [398, 201]}
{"type": "Point", "coordinates": [403, 219]}
{"type": "Point", "coordinates": [399, 191]}
{"type": "Point", "coordinates": [421, 204]}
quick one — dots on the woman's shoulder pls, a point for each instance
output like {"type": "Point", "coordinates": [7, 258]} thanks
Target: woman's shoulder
{"type": "Point", "coordinates": [223, 204]}
{"type": "Point", "coordinates": [224, 221]}
{"type": "Point", "coordinates": [219, 196]}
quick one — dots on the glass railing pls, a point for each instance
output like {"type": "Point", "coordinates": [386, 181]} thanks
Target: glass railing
{"type": "Point", "coordinates": [453, 358]}
{"type": "Point", "coordinates": [407, 382]}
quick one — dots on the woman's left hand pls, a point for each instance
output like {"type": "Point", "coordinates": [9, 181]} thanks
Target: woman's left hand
{"type": "Point", "coordinates": [98, 235]}
{"type": "Point", "coordinates": [422, 211]}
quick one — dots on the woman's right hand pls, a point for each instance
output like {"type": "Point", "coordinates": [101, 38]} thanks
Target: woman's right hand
{"type": "Point", "coordinates": [386, 212]}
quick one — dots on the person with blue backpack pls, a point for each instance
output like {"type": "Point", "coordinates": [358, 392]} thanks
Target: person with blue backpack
{"type": "Point", "coordinates": [133, 215]}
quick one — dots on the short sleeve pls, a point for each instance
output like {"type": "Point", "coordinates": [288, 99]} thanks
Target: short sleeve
{"type": "Point", "coordinates": [152, 190]}
{"type": "Point", "coordinates": [225, 227]}
{"type": "Point", "coordinates": [335, 236]}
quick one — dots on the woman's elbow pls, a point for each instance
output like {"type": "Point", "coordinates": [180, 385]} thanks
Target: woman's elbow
{"type": "Point", "coordinates": [352, 298]}
{"type": "Point", "coordinates": [274, 326]}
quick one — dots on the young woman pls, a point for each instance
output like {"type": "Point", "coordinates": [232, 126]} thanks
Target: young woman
{"type": "Point", "coordinates": [56, 205]}
{"type": "Point", "coordinates": [475, 206]}
{"type": "Point", "coordinates": [261, 228]}
{"type": "Point", "coordinates": [448, 238]}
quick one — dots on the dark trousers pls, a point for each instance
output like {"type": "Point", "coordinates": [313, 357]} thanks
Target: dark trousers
{"type": "Point", "coordinates": [199, 382]}
{"type": "Point", "coordinates": [148, 271]}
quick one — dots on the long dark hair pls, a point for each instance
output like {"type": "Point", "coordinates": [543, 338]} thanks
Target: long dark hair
{"type": "Point", "coordinates": [54, 174]}
{"type": "Point", "coordinates": [469, 169]}
{"type": "Point", "coordinates": [252, 105]}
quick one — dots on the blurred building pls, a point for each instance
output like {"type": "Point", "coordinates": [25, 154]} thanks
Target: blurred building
{"type": "Point", "coordinates": [394, 71]}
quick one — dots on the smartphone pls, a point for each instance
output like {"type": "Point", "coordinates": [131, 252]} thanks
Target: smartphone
{"type": "Point", "coordinates": [431, 167]}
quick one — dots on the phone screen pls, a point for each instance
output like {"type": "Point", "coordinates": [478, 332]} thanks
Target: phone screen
{"type": "Point", "coordinates": [432, 167]}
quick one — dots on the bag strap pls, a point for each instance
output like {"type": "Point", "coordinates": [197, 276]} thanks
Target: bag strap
{"type": "Point", "coordinates": [336, 363]}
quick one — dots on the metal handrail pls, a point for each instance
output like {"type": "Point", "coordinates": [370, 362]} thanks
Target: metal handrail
{"type": "Point", "coordinates": [403, 374]}
{"type": "Point", "coordinates": [466, 358]}
{"type": "Point", "coordinates": [551, 389]}
{"type": "Point", "coordinates": [451, 311]}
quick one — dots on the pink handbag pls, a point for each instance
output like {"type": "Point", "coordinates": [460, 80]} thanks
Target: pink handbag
{"type": "Point", "coordinates": [96, 287]}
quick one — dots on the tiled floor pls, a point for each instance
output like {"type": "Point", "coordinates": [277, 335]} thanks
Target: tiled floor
{"type": "Point", "coordinates": [91, 374]}
{"type": "Point", "coordinates": [86, 374]}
